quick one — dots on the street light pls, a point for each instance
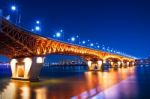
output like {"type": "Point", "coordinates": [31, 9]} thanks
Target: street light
{"type": "Point", "coordinates": [103, 47]}
{"type": "Point", "coordinates": [72, 39]}
{"type": "Point", "coordinates": [91, 44]}
{"type": "Point", "coordinates": [77, 36]}
{"type": "Point", "coordinates": [37, 28]}
{"type": "Point", "coordinates": [108, 49]}
{"type": "Point", "coordinates": [32, 30]}
{"type": "Point", "coordinates": [58, 34]}
{"type": "Point", "coordinates": [13, 8]}
{"type": "Point", "coordinates": [61, 30]}
{"type": "Point", "coordinates": [83, 42]}
{"type": "Point", "coordinates": [37, 22]}
{"type": "Point", "coordinates": [16, 10]}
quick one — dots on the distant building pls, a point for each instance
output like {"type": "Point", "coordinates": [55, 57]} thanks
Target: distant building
{"type": "Point", "coordinates": [143, 61]}
{"type": "Point", "coordinates": [63, 60]}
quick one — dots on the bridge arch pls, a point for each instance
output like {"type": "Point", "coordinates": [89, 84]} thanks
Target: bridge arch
{"type": "Point", "coordinates": [113, 60]}
{"type": "Point", "coordinates": [19, 43]}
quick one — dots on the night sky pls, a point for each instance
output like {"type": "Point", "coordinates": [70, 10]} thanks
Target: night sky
{"type": "Point", "coordinates": [121, 24]}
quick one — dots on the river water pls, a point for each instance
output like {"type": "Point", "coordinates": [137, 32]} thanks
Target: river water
{"type": "Point", "coordinates": [124, 83]}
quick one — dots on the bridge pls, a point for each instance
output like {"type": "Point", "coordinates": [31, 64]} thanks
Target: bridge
{"type": "Point", "coordinates": [27, 50]}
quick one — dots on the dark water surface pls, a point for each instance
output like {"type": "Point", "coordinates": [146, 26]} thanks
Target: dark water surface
{"type": "Point", "coordinates": [124, 83]}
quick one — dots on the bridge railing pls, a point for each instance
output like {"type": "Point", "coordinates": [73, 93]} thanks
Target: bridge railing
{"type": "Point", "coordinates": [33, 33]}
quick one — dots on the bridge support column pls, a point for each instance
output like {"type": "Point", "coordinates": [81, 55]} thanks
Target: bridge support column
{"type": "Point", "coordinates": [104, 64]}
{"type": "Point", "coordinates": [100, 63]}
{"type": "Point", "coordinates": [26, 68]}
{"type": "Point", "coordinates": [89, 63]}
{"type": "Point", "coordinates": [132, 63]}
{"type": "Point", "coordinates": [119, 64]}
{"type": "Point", "coordinates": [94, 65]}
{"type": "Point", "coordinates": [128, 64]}
{"type": "Point", "coordinates": [123, 64]}
{"type": "Point", "coordinates": [112, 64]}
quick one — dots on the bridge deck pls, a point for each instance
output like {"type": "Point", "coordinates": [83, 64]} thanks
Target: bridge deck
{"type": "Point", "coordinates": [18, 42]}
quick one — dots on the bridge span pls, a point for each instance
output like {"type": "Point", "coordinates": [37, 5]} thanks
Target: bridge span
{"type": "Point", "coordinates": [27, 50]}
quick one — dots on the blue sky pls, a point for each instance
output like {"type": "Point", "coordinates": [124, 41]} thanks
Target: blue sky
{"type": "Point", "coordinates": [121, 24]}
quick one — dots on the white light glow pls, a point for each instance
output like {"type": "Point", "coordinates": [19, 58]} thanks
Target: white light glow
{"type": "Point", "coordinates": [58, 34]}
{"type": "Point", "coordinates": [28, 63]}
{"type": "Point", "coordinates": [104, 61]}
{"type": "Point", "coordinates": [111, 63]}
{"type": "Point", "coordinates": [83, 42]}
{"type": "Point", "coordinates": [72, 39]}
{"type": "Point", "coordinates": [119, 63]}
{"type": "Point", "coordinates": [13, 67]}
{"type": "Point", "coordinates": [39, 60]}
{"type": "Point", "coordinates": [132, 63]}
{"type": "Point", "coordinates": [13, 8]}
{"type": "Point", "coordinates": [25, 92]}
{"type": "Point", "coordinates": [41, 93]}
{"type": "Point", "coordinates": [37, 28]}
{"type": "Point", "coordinates": [100, 63]}
{"type": "Point", "coordinates": [37, 22]}
{"type": "Point", "coordinates": [32, 30]}
{"type": "Point", "coordinates": [91, 44]}
{"type": "Point", "coordinates": [89, 63]}
{"type": "Point", "coordinates": [61, 30]}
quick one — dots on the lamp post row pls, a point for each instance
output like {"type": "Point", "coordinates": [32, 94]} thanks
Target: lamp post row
{"type": "Point", "coordinates": [60, 35]}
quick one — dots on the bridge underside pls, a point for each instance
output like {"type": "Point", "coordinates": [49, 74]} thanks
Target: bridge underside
{"type": "Point", "coordinates": [11, 48]}
{"type": "Point", "coordinates": [14, 41]}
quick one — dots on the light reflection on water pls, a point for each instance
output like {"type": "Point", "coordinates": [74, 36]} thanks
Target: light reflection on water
{"type": "Point", "coordinates": [84, 86]}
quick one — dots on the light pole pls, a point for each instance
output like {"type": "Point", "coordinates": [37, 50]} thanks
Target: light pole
{"type": "Point", "coordinates": [13, 9]}
{"type": "Point", "coordinates": [18, 16]}
{"type": "Point", "coordinates": [59, 35]}
{"type": "Point", "coordinates": [37, 27]}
